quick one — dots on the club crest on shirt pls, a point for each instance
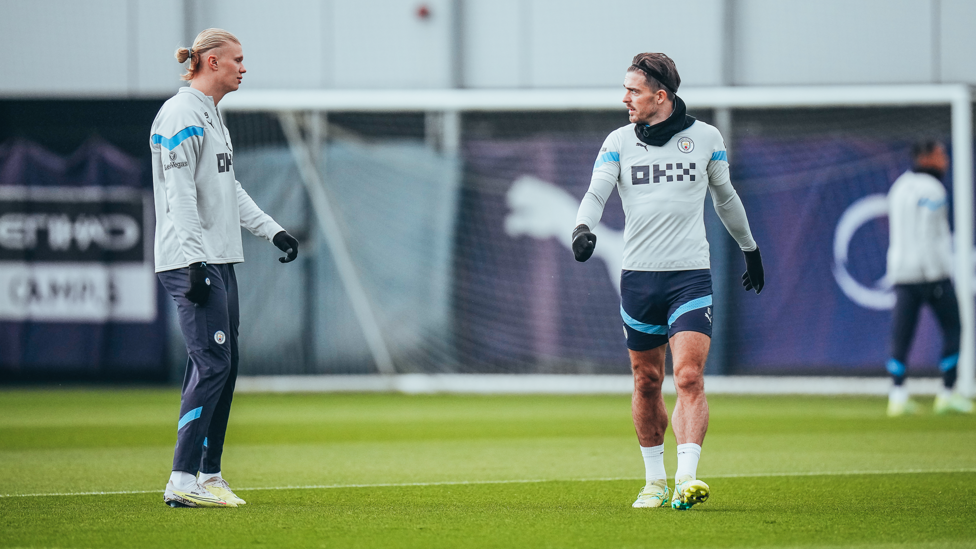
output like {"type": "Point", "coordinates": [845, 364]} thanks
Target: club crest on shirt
{"type": "Point", "coordinates": [219, 337]}
{"type": "Point", "coordinates": [173, 163]}
{"type": "Point", "coordinates": [686, 145]}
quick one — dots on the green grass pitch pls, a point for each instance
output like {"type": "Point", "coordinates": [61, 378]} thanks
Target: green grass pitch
{"type": "Point", "coordinates": [463, 471]}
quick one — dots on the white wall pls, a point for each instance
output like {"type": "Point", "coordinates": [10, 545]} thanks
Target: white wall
{"type": "Point", "coordinates": [833, 41]}
{"type": "Point", "coordinates": [958, 41]}
{"type": "Point", "coordinates": [125, 47]}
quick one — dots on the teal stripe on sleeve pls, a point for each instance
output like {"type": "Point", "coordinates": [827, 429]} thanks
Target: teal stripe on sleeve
{"type": "Point", "coordinates": [612, 156]}
{"type": "Point", "coordinates": [181, 136]}
{"type": "Point", "coordinates": [720, 155]}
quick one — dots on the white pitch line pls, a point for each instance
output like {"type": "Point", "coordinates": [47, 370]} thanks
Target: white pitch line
{"type": "Point", "coordinates": [518, 481]}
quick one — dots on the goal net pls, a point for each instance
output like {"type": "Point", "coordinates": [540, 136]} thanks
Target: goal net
{"type": "Point", "coordinates": [435, 229]}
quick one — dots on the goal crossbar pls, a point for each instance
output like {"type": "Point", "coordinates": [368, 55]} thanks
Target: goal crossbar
{"type": "Point", "coordinates": [588, 99]}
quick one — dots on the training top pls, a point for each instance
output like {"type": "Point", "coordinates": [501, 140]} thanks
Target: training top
{"type": "Point", "coordinates": [919, 243]}
{"type": "Point", "coordinates": [663, 194]}
{"type": "Point", "coordinates": [200, 205]}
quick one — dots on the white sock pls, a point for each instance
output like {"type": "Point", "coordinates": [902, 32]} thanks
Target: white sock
{"type": "Point", "coordinates": [688, 455]}
{"type": "Point", "coordinates": [945, 392]}
{"type": "Point", "coordinates": [654, 463]}
{"type": "Point", "coordinates": [204, 477]}
{"type": "Point", "coordinates": [898, 394]}
{"type": "Point", "coordinates": [183, 481]}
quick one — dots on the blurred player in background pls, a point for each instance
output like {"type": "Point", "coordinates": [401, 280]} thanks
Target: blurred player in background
{"type": "Point", "coordinates": [200, 209]}
{"type": "Point", "coordinates": [661, 165]}
{"type": "Point", "coordinates": [919, 265]}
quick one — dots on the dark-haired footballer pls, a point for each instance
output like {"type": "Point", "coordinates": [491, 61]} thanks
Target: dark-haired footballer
{"type": "Point", "coordinates": [920, 267]}
{"type": "Point", "coordinates": [661, 165]}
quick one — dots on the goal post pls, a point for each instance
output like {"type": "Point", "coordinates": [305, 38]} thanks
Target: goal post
{"type": "Point", "coordinates": [442, 111]}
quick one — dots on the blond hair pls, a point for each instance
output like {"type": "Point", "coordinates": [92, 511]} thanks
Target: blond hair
{"type": "Point", "coordinates": [205, 41]}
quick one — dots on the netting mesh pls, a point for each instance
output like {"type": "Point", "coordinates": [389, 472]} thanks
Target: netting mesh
{"type": "Point", "coordinates": [463, 251]}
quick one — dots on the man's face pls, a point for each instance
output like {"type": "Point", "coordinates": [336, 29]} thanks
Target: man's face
{"type": "Point", "coordinates": [940, 159]}
{"type": "Point", "coordinates": [230, 66]}
{"type": "Point", "coordinates": [642, 103]}
{"type": "Point", "coordinates": [937, 160]}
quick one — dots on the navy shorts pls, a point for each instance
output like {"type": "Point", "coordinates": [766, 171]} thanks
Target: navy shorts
{"type": "Point", "coordinates": [655, 305]}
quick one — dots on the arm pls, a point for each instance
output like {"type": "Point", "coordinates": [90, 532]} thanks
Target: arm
{"type": "Point", "coordinates": [179, 153]}
{"type": "Point", "coordinates": [727, 204]}
{"type": "Point", "coordinates": [253, 218]}
{"type": "Point", "coordinates": [606, 171]}
{"type": "Point", "coordinates": [729, 208]}
{"type": "Point", "coordinates": [261, 224]}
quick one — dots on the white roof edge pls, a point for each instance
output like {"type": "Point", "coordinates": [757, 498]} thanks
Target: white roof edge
{"type": "Point", "coordinates": [587, 99]}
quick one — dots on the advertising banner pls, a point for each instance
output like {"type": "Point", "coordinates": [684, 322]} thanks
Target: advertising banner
{"type": "Point", "coordinates": [78, 294]}
{"type": "Point", "coordinates": [815, 206]}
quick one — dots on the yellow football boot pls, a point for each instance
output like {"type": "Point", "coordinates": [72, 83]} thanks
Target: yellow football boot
{"type": "Point", "coordinates": [219, 487]}
{"type": "Point", "coordinates": [898, 408]}
{"type": "Point", "coordinates": [688, 492]}
{"type": "Point", "coordinates": [197, 497]}
{"type": "Point", "coordinates": [953, 403]}
{"type": "Point", "coordinates": [654, 494]}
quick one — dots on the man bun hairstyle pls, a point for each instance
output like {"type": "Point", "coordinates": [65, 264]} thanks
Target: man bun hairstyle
{"type": "Point", "coordinates": [205, 41]}
{"type": "Point", "coordinates": [659, 71]}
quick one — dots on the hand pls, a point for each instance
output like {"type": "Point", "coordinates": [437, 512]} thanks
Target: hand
{"type": "Point", "coordinates": [584, 242]}
{"type": "Point", "coordinates": [288, 244]}
{"type": "Point", "coordinates": [754, 277]}
{"type": "Point", "coordinates": [199, 291]}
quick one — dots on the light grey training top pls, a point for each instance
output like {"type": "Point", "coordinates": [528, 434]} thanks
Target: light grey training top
{"type": "Point", "coordinates": [200, 205]}
{"type": "Point", "coordinates": [920, 245]}
{"type": "Point", "coordinates": [663, 194]}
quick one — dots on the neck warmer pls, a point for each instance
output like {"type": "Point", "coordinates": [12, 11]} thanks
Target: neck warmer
{"type": "Point", "coordinates": [662, 132]}
{"type": "Point", "coordinates": [931, 171]}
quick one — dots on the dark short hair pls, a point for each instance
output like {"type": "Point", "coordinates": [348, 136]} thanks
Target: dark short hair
{"type": "Point", "coordinates": [924, 147]}
{"type": "Point", "coordinates": [659, 72]}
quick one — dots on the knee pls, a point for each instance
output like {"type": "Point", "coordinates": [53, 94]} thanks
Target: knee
{"type": "Point", "coordinates": [687, 381]}
{"type": "Point", "coordinates": [647, 380]}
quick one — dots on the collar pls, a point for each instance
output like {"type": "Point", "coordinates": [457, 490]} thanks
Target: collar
{"type": "Point", "coordinates": [206, 99]}
{"type": "Point", "coordinates": [662, 132]}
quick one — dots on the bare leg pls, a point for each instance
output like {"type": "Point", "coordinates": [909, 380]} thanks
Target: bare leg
{"type": "Point", "coordinates": [647, 404]}
{"type": "Point", "coordinates": [690, 418]}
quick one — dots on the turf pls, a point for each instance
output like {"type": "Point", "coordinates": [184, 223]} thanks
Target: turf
{"type": "Point", "coordinates": [450, 471]}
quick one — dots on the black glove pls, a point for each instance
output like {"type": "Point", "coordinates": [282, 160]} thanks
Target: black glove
{"type": "Point", "coordinates": [288, 244]}
{"type": "Point", "coordinates": [754, 277]}
{"type": "Point", "coordinates": [199, 291]}
{"type": "Point", "coordinates": [584, 242]}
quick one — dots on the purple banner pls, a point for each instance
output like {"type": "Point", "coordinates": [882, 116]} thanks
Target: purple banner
{"type": "Point", "coordinates": [815, 206]}
{"type": "Point", "coordinates": [78, 296]}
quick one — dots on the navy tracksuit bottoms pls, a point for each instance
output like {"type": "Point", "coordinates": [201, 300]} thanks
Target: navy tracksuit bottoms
{"type": "Point", "coordinates": [909, 299]}
{"type": "Point", "coordinates": [210, 332]}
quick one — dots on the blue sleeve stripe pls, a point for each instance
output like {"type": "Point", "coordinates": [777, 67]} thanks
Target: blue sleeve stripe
{"type": "Point", "coordinates": [175, 141]}
{"type": "Point", "coordinates": [604, 158]}
{"type": "Point", "coordinates": [720, 155]}
{"type": "Point", "coordinates": [699, 303]}
{"type": "Point", "coordinates": [652, 329]}
{"type": "Point", "coordinates": [189, 416]}
{"type": "Point", "coordinates": [932, 204]}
